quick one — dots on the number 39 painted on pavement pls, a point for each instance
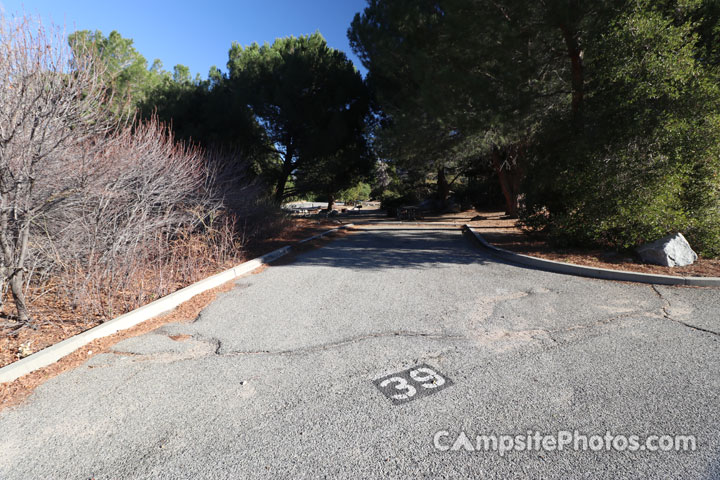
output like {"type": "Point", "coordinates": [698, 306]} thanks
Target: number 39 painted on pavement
{"type": "Point", "coordinates": [425, 377]}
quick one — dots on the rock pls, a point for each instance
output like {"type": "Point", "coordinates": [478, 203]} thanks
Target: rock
{"type": "Point", "coordinates": [670, 251]}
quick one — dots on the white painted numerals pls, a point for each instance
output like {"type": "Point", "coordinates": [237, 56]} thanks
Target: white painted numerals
{"type": "Point", "coordinates": [424, 374]}
{"type": "Point", "coordinates": [412, 383]}
{"type": "Point", "coordinates": [402, 385]}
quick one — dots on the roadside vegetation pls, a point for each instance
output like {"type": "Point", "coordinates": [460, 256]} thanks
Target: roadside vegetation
{"type": "Point", "coordinates": [599, 119]}
{"type": "Point", "coordinates": [105, 208]}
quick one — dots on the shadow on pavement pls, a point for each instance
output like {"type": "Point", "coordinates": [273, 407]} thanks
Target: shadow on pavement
{"type": "Point", "coordinates": [384, 248]}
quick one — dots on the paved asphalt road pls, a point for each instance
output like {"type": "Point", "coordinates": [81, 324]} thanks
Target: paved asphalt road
{"type": "Point", "coordinates": [281, 376]}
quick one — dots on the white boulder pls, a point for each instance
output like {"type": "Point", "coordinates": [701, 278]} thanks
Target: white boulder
{"type": "Point", "coordinates": [670, 251]}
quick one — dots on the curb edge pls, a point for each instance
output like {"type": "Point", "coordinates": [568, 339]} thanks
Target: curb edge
{"type": "Point", "coordinates": [591, 272]}
{"type": "Point", "coordinates": [55, 352]}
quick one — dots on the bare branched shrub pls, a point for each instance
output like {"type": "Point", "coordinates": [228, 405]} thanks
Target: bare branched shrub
{"type": "Point", "coordinates": [230, 180]}
{"type": "Point", "coordinates": [50, 104]}
{"type": "Point", "coordinates": [102, 216]}
{"type": "Point", "coordinates": [152, 216]}
{"type": "Point", "coordinates": [142, 192]}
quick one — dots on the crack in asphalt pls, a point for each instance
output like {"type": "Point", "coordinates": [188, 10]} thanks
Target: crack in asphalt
{"type": "Point", "coordinates": [216, 344]}
{"type": "Point", "coordinates": [666, 314]}
{"type": "Point", "coordinates": [410, 334]}
{"type": "Point", "coordinates": [347, 341]}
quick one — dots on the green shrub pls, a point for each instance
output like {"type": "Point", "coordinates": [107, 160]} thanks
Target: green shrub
{"type": "Point", "coordinates": [646, 162]}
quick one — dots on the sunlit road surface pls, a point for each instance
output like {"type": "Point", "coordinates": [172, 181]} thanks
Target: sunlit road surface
{"type": "Point", "coordinates": [394, 352]}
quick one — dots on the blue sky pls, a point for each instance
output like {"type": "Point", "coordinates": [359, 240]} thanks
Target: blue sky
{"type": "Point", "coordinates": [199, 33]}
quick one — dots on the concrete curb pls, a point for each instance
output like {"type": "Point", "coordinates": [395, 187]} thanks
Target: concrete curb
{"type": "Point", "coordinates": [591, 272]}
{"type": "Point", "coordinates": [55, 352]}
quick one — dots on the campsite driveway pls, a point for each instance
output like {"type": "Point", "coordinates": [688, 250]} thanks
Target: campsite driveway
{"type": "Point", "coordinates": [280, 377]}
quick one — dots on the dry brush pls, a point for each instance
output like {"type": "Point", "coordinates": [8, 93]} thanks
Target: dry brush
{"type": "Point", "coordinates": [102, 213]}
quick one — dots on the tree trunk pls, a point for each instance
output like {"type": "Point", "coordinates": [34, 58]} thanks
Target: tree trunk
{"type": "Point", "coordinates": [577, 74]}
{"type": "Point", "coordinates": [331, 202]}
{"type": "Point", "coordinates": [18, 273]}
{"type": "Point", "coordinates": [286, 171]}
{"type": "Point", "coordinates": [443, 188]}
{"type": "Point", "coordinates": [509, 183]}
{"type": "Point", "coordinates": [12, 271]}
{"type": "Point", "coordinates": [16, 287]}
{"type": "Point", "coordinates": [7, 256]}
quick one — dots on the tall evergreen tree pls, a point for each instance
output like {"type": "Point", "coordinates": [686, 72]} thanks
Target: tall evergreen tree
{"type": "Point", "coordinates": [311, 101]}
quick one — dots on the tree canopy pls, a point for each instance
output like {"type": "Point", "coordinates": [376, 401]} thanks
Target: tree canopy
{"type": "Point", "coordinates": [313, 104]}
{"type": "Point", "coordinates": [599, 118]}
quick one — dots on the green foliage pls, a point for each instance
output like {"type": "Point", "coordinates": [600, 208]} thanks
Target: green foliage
{"type": "Point", "coordinates": [454, 80]}
{"type": "Point", "coordinates": [646, 163]}
{"type": "Point", "coordinates": [210, 113]}
{"type": "Point", "coordinates": [126, 75]}
{"type": "Point", "coordinates": [313, 105]}
{"type": "Point", "coordinates": [356, 193]}
{"type": "Point", "coordinates": [295, 110]}
{"type": "Point", "coordinates": [398, 42]}
{"type": "Point", "coordinates": [607, 109]}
